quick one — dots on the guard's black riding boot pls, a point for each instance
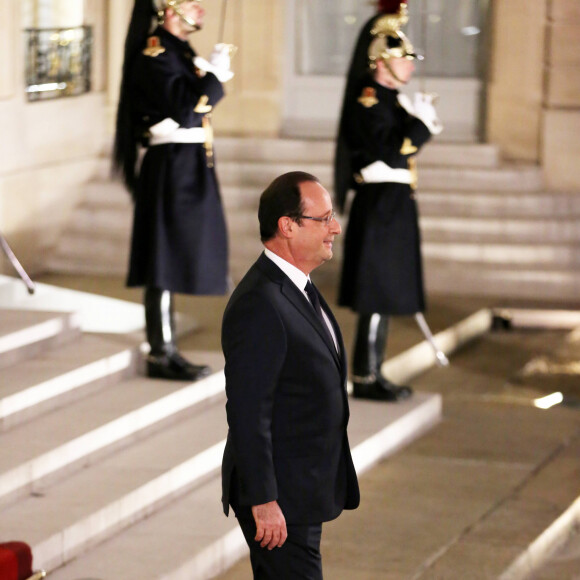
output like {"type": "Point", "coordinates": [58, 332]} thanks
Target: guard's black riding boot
{"type": "Point", "coordinates": [370, 344]}
{"type": "Point", "coordinates": [164, 360]}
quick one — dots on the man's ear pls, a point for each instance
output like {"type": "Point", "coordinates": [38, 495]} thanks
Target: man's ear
{"type": "Point", "coordinates": [286, 226]}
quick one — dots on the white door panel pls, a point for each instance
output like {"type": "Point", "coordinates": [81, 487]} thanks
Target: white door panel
{"type": "Point", "coordinates": [320, 41]}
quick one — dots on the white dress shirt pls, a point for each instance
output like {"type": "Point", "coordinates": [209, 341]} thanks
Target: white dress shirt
{"type": "Point", "coordinates": [300, 279]}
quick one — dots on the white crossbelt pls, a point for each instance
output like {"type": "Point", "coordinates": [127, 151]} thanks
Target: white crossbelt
{"type": "Point", "coordinates": [169, 131]}
{"type": "Point", "coordinates": [380, 172]}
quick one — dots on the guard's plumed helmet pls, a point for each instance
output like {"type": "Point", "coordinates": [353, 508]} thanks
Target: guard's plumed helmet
{"type": "Point", "coordinates": [161, 5]}
{"type": "Point", "coordinates": [389, 41]}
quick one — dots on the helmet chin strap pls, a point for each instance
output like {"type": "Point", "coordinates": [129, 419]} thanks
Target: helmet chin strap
{"type": "Point", "coordinates": [189, 21]}
{"type": "Point", "coordinates": [392, 73]}
{"type": "Point", "coordinates": [183, 17]}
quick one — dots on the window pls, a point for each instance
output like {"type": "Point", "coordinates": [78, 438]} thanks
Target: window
{"type": "Point", "coordinates": [58, 49]}
{"type": "Point", "coordinates": [447, 32]}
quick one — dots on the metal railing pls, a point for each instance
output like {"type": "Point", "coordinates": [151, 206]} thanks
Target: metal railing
{"type": "Point", "coordinates": [58, 62]}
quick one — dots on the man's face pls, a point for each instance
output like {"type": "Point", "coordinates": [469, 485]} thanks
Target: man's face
{"type": "Point", "coordinates": [403, 68]}
{"type": "Point", "coordinates": [313, 240]}
{"type": "Point", "coordinates": [193, 15]}
{"type": "Point", "coordinates": [395, 71]}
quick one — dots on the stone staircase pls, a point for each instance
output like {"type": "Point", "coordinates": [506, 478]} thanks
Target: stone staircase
{"type": "Point", "coordinates": [108, 474]}
{"type": "Point", "coordinates": [489, 228]}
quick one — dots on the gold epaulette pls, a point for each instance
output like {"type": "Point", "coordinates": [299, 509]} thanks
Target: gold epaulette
{"type": "Point", "coordinates": [154, 47]}
{"type": "Point", "coordinates": [368, 97]}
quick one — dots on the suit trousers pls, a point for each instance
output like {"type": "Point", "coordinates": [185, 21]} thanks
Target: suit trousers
{"type": "Point", "coordinates": [298, 559]}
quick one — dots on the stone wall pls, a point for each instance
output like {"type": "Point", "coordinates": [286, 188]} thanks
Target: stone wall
{"type": "Point", "coordinates": [48, 149]}
{"type": "Point", "coordinates": [533, 107]}
{"type": "Point", "coordinates": [516, 77]}
{"type": "Point", "coordinates": [561, 115]}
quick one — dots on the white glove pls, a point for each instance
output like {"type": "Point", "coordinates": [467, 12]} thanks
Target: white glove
{"type": "Point", "coordinates": [425, 112]}
{"type": "Point", "coordinates": [406, 103]}
{"type": "Point", "coordinates": [220, 56]}
{"type": "Point", "coordinates": [218, 64]}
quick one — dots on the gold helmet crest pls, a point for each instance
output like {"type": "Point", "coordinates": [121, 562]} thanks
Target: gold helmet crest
{"type": "Point", "coordinates": [389, 41]}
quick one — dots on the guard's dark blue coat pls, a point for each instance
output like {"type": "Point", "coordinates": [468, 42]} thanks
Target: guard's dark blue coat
{"type": "Point", "coordinates": [179, 238]}
{"type": "Point", "coordinates": [382, 270]}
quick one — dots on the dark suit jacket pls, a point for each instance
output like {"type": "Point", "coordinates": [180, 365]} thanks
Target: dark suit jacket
{"type": "Point", "coordinates": [287, 404]}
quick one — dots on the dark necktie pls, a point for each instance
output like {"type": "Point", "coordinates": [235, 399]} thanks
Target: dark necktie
{"type": "Point", "coordinates": [314, 300]}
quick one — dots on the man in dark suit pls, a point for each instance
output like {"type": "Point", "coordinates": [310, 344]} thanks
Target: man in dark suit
{"type": "Point", "coordinates": [287, 464]}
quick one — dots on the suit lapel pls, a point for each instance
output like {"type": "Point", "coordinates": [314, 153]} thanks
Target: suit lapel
{"type": "Point", "coordinates": [301, 303]}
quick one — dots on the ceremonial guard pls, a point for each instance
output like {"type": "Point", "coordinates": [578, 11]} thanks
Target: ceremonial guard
{"type": "Point", "coordinates": [380, 132]}
{"type": "Point", "coordinates": [179, 241]}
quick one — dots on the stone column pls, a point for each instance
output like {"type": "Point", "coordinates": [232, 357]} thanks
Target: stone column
{"type": "Point", "coordinates": [95, 15]}
{"type": "Point", "coordinates": [561, 122]}
{"type": "Point", "coordinates": [119, 14]}
{"type": "Point", "coordinates": [67, 13]}
{"type": "Point", "coordinates": [10, 59]}
{"type": "Point", "coordinates": [516, 77]}
{"type": "Point", "coordinates": [10, 32]}
{"type": "Point", "coordinates": [253, 105]}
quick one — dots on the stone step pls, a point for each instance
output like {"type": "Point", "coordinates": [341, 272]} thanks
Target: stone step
{"type": "Point", "coordinates": [92, 252]}
{"type": "Point", "coordinates": [105, 197]}
{"type": "Point", "coordinates": [188, 539]}
{"type": "Point", "coordinates": [470, 251]}
{"type": "Point", "coordinates": [539, 255]}
{"type": "Point", "coordinates": [500, 281]}
{"type": "Point", "coordinates": [94, 265]}
{"type": "Point", "coordinates": [116, 415]}
{"type": "Point", "coordinates": [103, 219]}
{"type": "Point", "coordinates": [498, 204]}
{"type": "Point", "coordinates": [62, 519]}
{"type": "Point", "coordinates": [111, 194]}
{"type": "Point", "coordinates": [506, 178]}
{"type": "Point", "coordinates": [208, 542]}
{"type": "Point", "coordinates": [107, 193]}
{"type": "Point", "coordinates": [58, 376]}
{"type": "Point", "coordinates": [322, 151]}
{"type": "Point", "coordinates": [275, 150]}
{"type": "Point", "coordinates": [24, 334]}
{"type": "Point", "coordinates": [459, 187]}
{"type": "Point", "coordinates": [498, 243]}
{"type": "Point", "coordinates": [95, 313]}
{"type": "Point", "coordinates": [115, 502]}
{"type": "Point", "coordinates": [499, 230]}
{"type": "Point", "coordinates": [243, 228]}
{"type": "Point", "coordinates": [105, 229]}
{"type": "Point", "coordinates": [245, 255]}
{"type": "Point", "coordinates": [96, 224]}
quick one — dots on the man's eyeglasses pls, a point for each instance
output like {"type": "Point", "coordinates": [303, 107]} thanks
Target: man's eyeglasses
{"type": "Point", "coordinates": [323, 220]}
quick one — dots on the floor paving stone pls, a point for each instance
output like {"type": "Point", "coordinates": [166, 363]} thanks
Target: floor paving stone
{"type": "Point", "coordinates": [464, 500]}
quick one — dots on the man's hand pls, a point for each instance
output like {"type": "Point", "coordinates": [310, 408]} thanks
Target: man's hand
{"type": "Point", "coordinates": [270, 525]}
